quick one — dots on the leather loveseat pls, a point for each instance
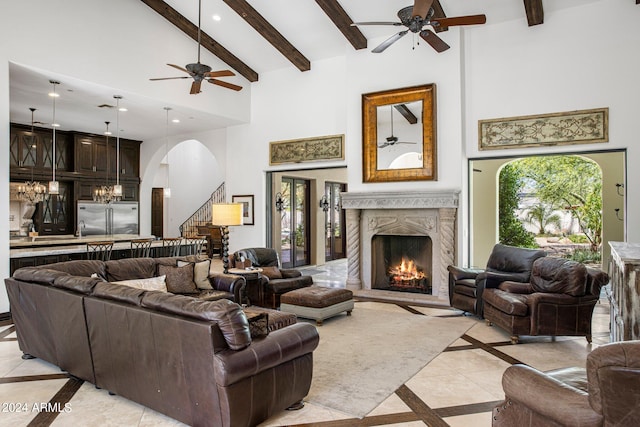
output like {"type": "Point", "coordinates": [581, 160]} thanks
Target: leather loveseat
{"type": "Point", "coordinates": [190, 359]}
{"type": "Point", "coordinates": [606, 393]}
{"type": "Point", "coordinates": [275, 281]}
{"type": "Point", "coordinates": [558, 300]}
{"type": "Point", "coordinates": [466, 285]}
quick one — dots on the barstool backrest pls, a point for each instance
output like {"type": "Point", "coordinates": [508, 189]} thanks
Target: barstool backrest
{"type": "Point", "coordinates": [141, 248]}
{"type": "Point", "coordinates": [99, 250]}
{"type": "Point", "coordinates": [172, 246]}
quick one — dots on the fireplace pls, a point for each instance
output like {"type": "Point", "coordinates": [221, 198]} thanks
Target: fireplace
{"type": "Point", "coordinates": [401, 263]}
{"type": "Point", "coordinates": [380, 226]}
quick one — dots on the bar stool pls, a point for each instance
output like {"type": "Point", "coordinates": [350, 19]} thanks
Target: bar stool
{"type": "Point", "coordinates": [99, 250]}
{"type": "Point", "coordinates": [141, 248]}
{"type": "Point", "coordinates": [171, 246]}
{"type": "Point", "coordinates": [194, 245]}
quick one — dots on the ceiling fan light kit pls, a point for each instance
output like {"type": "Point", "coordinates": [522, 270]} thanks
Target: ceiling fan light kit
{"type": "Point", "coordinates": [418, 16]}
{"type": "Point", "coordinates": [201, 72]}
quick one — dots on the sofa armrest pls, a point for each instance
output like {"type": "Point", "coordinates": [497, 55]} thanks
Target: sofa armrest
{"type": "Point", "coordinates": [231, 283]}
{"type": "Point", "coordinates": [548, 396]}
{"type": "Point", "coordinates": [278, 347]}
{"type": "Point", "coordinates": [459, 273]}
{"type": "Point", "coordinates": [288, 273]}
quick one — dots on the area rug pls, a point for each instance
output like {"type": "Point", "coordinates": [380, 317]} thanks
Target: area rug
{"type": "Point", "coordinates": [364, 358]}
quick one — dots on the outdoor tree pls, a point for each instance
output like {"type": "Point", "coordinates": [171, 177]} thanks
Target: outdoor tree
{"type": "Point", "coordinates": [571, 182]}
{"type": "Point", "coordinates": [542, 215]}
{"type": "Point", "coordinates": [511, 230]}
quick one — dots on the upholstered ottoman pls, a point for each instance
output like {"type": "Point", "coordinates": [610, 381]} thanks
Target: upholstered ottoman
{"type": "Point", "coordinates": [317, 302]}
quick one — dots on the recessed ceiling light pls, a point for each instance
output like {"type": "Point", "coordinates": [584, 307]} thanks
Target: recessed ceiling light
{"type": "Point", "coordinates": [176, 120]}
{"type": "Point", "coordinates": [54, 94]}
{"type": "Point", "coordinates": [123, 109]}
{"type": "Point", "coordinates": [216, 18]}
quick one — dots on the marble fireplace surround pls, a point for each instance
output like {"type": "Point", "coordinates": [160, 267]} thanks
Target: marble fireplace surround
{"type": "Point", "coordinates": [417, 213]}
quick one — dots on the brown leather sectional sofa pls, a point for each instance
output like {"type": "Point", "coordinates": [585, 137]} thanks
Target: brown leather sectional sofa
{"type": "Point", "coordinates": [191, 359]}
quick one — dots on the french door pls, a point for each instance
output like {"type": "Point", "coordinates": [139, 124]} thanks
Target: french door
{"type": "Point", "coordinates": [294, 222]}
{"type": "Point", "coordinates": [334, 222]}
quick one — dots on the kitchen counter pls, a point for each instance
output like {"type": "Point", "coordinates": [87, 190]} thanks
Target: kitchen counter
{"type": "Point", "coordinates": [58, 245]}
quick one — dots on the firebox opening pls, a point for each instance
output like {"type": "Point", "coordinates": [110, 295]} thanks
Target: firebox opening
{"type": "Point", "coordinates": [401, 263]}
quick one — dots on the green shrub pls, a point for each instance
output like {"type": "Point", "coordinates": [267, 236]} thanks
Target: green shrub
{"type": "Point", "coordinates": [578, 238]}
{"type": "Point", "coordinates": [585, 256]}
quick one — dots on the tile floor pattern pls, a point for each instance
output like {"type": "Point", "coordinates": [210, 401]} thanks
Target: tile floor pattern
{"type": "Point", "coordinates": [459, 387]}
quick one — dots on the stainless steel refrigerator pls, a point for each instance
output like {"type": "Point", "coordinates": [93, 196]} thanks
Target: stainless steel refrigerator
{"type": "Point", "coordinates": [105, 219]}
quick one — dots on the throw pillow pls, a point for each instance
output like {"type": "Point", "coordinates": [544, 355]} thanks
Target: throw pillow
{"type": "Point", "coordinates": [179, 279]}
{"type": "Point", "coordinates": [271, 272]}
{"type": "Point", "coordinates": [258, 325]}
{"type": "Point", "coordinates": [150, 284]}
{"type": "Point", "coordinates": [200, 273]}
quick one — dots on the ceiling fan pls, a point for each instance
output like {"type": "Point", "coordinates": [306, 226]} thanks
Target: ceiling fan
{"type": "Point", "coordinates": [416, 17]}
{"type": "Point", "coordinates": [201, 72]}
{"type": "Point", "coordinates": [392, 140]}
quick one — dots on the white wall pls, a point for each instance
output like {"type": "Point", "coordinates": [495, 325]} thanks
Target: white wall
{"type": "Point", "coordinates": [571, 62]}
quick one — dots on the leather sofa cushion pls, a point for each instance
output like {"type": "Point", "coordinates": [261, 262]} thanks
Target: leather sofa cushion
{"type": "Point", "coordinates": [42, 276]}
{"type": "Point", "coordinates": [511, 259]}
{"type": "Point", "coordinates": [121, 293]}
{"type": "Point", "coordinates": [80, 267]}
{"type": "Point", "coordinates": [259, 257]}
{"type": "Point", "coordinates": [228, 315]}
{"type": "Point", "coordinates": [272, 272]}
{"type": "Point", "coordinates": [511, 304]}
{"type": "Point", "coordinates": [574, 377]}
{"type": "Point", "coordinates": [83, 285]}
{"type": "Point", "coordinates": [559, 276]}
{"type": "Point", "coordinates": [130, 268]}
{"type": "Point", "coordinates": [470, 291]}
{"type": "Point", "coordinates": [596, 279]}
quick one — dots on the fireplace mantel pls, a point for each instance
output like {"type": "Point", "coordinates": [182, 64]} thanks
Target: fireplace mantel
{"type": "Point", "coordinates": [401, 200]}
{"type": "Point", "coordinates": [430, 213]}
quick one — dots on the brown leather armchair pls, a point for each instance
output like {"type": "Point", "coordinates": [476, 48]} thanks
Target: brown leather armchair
{"type": "Point", "coordinates": [466, 285]}
{"type": "Point", "coordinates": [558, 300]}
{"type": "Point", "coordinates": [275, 281]}
{"type": "Point", "coordinates": [606, 393]}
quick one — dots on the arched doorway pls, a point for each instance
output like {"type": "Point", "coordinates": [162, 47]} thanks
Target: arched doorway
{"type": "Point", "coordinates": [483, 201]}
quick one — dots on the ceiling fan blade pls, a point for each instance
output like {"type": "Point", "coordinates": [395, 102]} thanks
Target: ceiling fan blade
{"type": "Point", "coordinates": [179, 68]}
{"type": "Point", "coordinates": [225, 84]}
{"type": "Point", "coordinates": [388, 42]}
{"type": "Point", "coordinates": [405, 142]}
{"type": "Point", "coordinates": [195, 87]}
{"type": "Point", "coordinates": [460, 20]}
{"type": "Point", "coordinates": [436, 42]}
{"type": "Point", "coordinates": [384, 144]}
{"type": "Point", "coordinates": [421, 8]}
{"type": "Point", "coordinates": [171, 78]}
{"type": "Point", "coordinates": [221, 73]}
{"type": "Point", "coordinates": [355, 24]}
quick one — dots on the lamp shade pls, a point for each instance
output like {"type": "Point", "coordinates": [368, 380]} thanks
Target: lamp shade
{"type": "Point", "coordinates": [226, 214]}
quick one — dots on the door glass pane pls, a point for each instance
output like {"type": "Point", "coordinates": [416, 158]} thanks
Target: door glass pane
{"type": "Point", "coordinates": [300, 223]}
{"type": "Point", "coordinates": [327, 225]}
{"type": "Point", "coordinates": [336, 213]}
{"type": "Point", "coordinates": [285, 224]}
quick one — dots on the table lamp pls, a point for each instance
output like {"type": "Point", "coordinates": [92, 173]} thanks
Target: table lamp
{"type": "Point", "coordinates": [224, 215]}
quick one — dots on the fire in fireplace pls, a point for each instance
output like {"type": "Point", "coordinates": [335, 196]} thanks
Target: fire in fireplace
{"type": "Point", "coordinates": [402, 263]}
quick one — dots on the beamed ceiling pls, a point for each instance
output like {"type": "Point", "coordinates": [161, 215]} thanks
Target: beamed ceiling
{"type": "Point", "coordinates": [334, 11]}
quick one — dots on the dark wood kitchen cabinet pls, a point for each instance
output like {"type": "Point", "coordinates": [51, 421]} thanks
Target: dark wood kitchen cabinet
{"type": "Point", "coordinates": [54, 215]}
{"type": "Point", "coordinates": [35, 150]}
{"type": "Point", "coordinates": [90, 154]}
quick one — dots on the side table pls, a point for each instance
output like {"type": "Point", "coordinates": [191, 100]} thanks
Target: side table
{"type": "Point", "coordinates": [253, 291]}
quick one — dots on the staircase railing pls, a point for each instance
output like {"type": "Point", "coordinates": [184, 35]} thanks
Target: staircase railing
{"type": "Point", "coordinates": [202, 216]}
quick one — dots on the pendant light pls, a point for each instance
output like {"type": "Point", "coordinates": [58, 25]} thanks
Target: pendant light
{"type": "Point", "coordinates": [105, 193]}
{"type": "Point", "coordinates": [54, 186]}
{"type": "Point", "coordinates": [167, 188]}
{"type": "Point", "coordinates": [32, 191]}
{"type": "Point", "coordinates": [117, 189]}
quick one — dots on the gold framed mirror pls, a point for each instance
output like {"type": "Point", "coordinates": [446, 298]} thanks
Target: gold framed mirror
{"type": "Point", "coordinates": [399, 135]}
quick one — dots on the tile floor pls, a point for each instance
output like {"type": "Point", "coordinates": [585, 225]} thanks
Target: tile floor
{"type": "Point", "coordinates": [468, 374]}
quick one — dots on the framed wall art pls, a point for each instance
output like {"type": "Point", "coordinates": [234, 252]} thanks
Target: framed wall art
{"type": "Point", "coordinates": [321, 148]}
{"type": "Point", "coordinates": [571, 127]}
{"type": "Point", "coordinates": [247, 208]}
{"type": "Point", "coordinates": [399, 135]}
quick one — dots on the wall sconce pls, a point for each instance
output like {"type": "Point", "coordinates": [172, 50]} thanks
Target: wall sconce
{"type": "Point", "coordinates": [618, 185]}
{"type": "Point", "coordinates": [324, 203]}
{"type": "Point", "coordinates": [279, 202]}
{"type": "Point", "coordinates": [618, 214]}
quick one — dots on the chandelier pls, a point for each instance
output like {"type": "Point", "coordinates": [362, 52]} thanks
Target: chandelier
{"type": "Point", "coordinates": [107, 193]}
{"type": "Point", "coordinates": [32, 191]}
